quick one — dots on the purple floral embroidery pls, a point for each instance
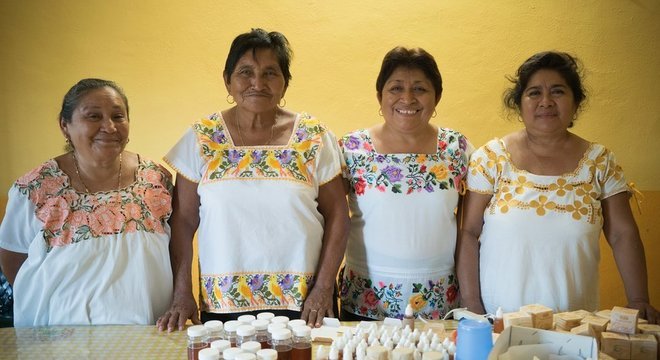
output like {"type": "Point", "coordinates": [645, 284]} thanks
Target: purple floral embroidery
{"type": "Point", "coordinates": [287, 282]}
{"type": "Point", "coordinates": [225, 283]}
{"type": "Point", "coordinates": [393, 173]}
{"type": "Point", "coordinates": [234, 156]}
{"type": "Point", "coordinates": [256, 156]}
{"type": "Point", "coordinates": [285, 157]}
{"type": "Point", "coordinates": [256, 282]}
{"type": "Point", "coordinates": [352, 143]}
{"type": "Point", "coordinates": [218, 137]}
{"type": "Point", "coordinates": [301, 134]}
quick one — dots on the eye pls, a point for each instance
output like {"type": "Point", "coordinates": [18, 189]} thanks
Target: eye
{"type": "Point", "coordinates": [93, 116]}
{"type": "Point", "coordinates": [395, 88]}
{"type": "Point", "coordinates": [119, 117]}
{"type": "Point", "coordinates": [419, 89]}
{"type": "Point", "coordinates": [558, 91]}
{"type": "Point", "coordinates": [533, 93]}
{"type": "Point", "coordinates": [245, 72]}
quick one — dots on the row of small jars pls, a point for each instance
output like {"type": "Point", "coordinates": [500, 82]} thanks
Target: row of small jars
{"type": "Point", "coordinates": [260, 335]}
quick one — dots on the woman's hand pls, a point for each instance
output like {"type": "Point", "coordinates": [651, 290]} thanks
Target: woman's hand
{"type": "Point", "coordinates": [182, 309]}
{"type": "Point", "coordinates": [318, 305]}
{"type": "Point", "coordinates": [646, 311]}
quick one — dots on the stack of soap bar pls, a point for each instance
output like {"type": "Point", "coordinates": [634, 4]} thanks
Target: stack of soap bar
{"type": "Point", "coordinates": [598, 323]}
{"type": "Point", "coordinates": [643, 347]}
{"type": "Point", "coordinates": [585, 329]}
{"type": "Point", "coordinates": [518, 318]}
{"type": "Point", "coordinates": [541, 315]}
{"type": "Point", "coordinates": [615, 345]}
{"type": "Point", "coordinates": [623, 320]}
{"type": "Point", "coordinates": [567, 320]}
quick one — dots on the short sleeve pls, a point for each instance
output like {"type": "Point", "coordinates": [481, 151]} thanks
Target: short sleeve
{"type": "Point", "coordinates": [482, 170]}
{"type": "Point", "coordinates": [185, 157]}
{"type": "Point", "coordinates": [20, 225]}
{"type": "Point", "coordinates": [611, 180]}
{"type": "Point", "coordinates": [330, 159]}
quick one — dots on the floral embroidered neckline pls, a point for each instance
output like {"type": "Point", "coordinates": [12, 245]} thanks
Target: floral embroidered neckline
{"type": "Point", "coordinates": [223, 124]}
{"type": "Point", "coordinates": [575, 172]}
{"type": "Point", "coordinates": [367, 137]}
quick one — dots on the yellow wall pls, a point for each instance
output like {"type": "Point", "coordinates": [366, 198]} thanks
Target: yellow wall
{"type": "Point", "coordinates": [168, 56]}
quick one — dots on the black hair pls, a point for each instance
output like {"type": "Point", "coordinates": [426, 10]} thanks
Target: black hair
{"type": "Point", "coordinates": [80, 89]}
{"type": "Point", "coordinates": [414, 58]}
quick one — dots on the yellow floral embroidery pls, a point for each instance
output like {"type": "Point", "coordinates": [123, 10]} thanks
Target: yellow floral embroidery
{"type": "Point", "coordinates": [520, 184]}
{"type": "Point", "coordinates": [542, 204]}
{"type": "Point", "coordinates": [440, 171]}
{"type": "Point", "coordinates": [577, 209]}
{"type": "Point", "coordinates": [505, 201]}
{"type": "Point", "coordinates": [561, 187]}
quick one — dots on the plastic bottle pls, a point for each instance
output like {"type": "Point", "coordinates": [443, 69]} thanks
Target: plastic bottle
{"type": "Point", "coordinates": [408, 318]}
{"type": "Point", "coordinates": [498, 322]}
{"type": "Point", "coordinates": [302, 343]}
{"type": "Point", "coordinates": [261, 332]}
{"type": "Point", "coordinates": [245, 333]}
{"type": "Point", "coordinates": [197, 340]}
{"type": "Point", "coordinates": [215, 329]}
{"type": "Point", "coordinates": [282, 343]}
{"type": "Point", "coordinates": [230, 331]}
{"type": "Point", "coordinates": [272, 327]}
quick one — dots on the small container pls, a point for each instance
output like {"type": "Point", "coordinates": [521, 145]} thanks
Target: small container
{"type": "Point", "coordinates": [498, 322]}
{"type": "Point", "coordinates": [265, 316]}
{"type": "Point", "coordinates": [215, 329]}
{"type": "Point", "coordinates": [221, 345]}
{"type": "Point", "coordinates": [197, 340]}
{"type": "Point", "coordinates": [296, 322]}
{"type": "Point", "coordinates": [230, 354]}
{"type": "Point", "coordinates": [266, 354]}
{"type": "Point", "coordinates": [278, 319]}
{"type": "Point", "coordinates": [246, 319]}
{"type": "Point", "coordinates": [408, 318]}
{"type": "Point", "coordinates": [251, 346]}
{"type": "Point", "coordinates": [245, 356]}
{"type": "Point", "coordinates": [230, 331]}
{"type": "Point", "coordinates": [245, 333]}
{"type": "Point", "coordinates": [209, 354]}
{"type": "Point", "coordinates": [282, 343]}
{"type": "Point", "coordinates": [272, 327]}
{"type": "Point", "coordinates": [302, 343]}
{"type": "Point", "coordinates": [261, 332]}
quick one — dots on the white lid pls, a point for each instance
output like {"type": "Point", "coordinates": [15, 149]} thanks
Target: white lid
{"type": "Point", "coordinates": [267, 354]}
{"type": "Point", "coordinates": [245, 356]}
{"type": "Point", "coordinates": [296, 322]}
{"type": "Point", "coordinates": [221, 345]}
{"type": "Point", "coordinates": [277, 319]}
{"type": "Point", "coordinates": [231, 325]}
{"type": "Point", "coordinates": [246, 319]}
{"type": "Point", "coordinates": [213, 325]}
{"type": "Point", "coordinates": [281, 334]}
{"type": "Point", "coordinates": [302, 330]}
{"type": "Point", "coordinates": [245, 330]}
{"type": "Point", "coordinates": [409, 310]}
{"type": "Point", "coordinates": [209, 354]}
{"type": "Point", "coordinates": [197, 330]}
{"type": "Point", "coordinates": [260, 324]}
{"type": "Point", "coordinates": [274, 326]}
{"type": "Point", "coordinates": [231, 353]}
{"type": "Point", "coordinates": [498, 313]}
{"type": "Point", "coordinates": [251, 346]}
{"type": "Point", "coordinates": [265, 316]}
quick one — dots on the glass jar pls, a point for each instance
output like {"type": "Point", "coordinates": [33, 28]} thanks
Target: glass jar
{"type": "Point", "coordinates": [261, 332]}
{"type": "Point", "coordinates": [230, 331]}
{"type": "Point", "coordinates": [215, 329]}
{"type": "Point", "coordinates": [272, 327]}
{"type": "Point", "coordinates": [245, 333]}
{"type": "Point", "coordinates": [302, 343]}
{"type": "Point", "coordinates": [282, 343]}
{"type": "Point", "coordinates": [197, 340]}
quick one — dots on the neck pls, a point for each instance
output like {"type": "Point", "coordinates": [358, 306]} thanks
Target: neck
{"type": "Point", "coordinates": [98, 176]}
{"type": "Point", "coordinates": [250, 120]}
{"type": "Point", "coordinates": [549, 141]}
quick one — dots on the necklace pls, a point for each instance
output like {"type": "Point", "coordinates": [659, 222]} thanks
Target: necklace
{"type": "Point", "coordinates": [75, 161]}
{"type": "Point", "coordinates": [240, 135]}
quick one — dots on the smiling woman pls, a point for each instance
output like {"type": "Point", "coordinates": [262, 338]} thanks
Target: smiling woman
{"type": "Point", "coordinates": [99, 207]}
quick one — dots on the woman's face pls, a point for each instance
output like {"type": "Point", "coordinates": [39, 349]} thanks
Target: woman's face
{"type": "Point", "coordinates": [407, 100]}
{"type": "Point", "coordinates": [547, 103]}
{"type": "Point", "coordinates": [99, 125]}
{"type": "Point", "coordinates": [257, 83]}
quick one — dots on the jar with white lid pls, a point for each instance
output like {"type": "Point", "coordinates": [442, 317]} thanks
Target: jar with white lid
{"type": "Point", "coordinates": [209, 354]}
{"type": "Point", "coordinates": [261, 332]}
{"type": "Point", "coordinates": [251, 346]}
{"type": "Point", "coordinates": [230, 331]}
{"type": "Point", "coordinates": [266, 354]}
{"type": "Point", "coordinates": [282, 343]}
{"type": "Point", "coordinates": [197, 340]}
{"type": "Point", "coordinates": [245, 333]}
{"type": "Point", "coordinates": [230, 354]}
{"type": "Point", "coordinates": [215, 329]}
{"type": "Point", "coordinates": [246, 319]}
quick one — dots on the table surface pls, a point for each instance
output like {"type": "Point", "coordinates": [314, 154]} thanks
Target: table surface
{"type": "Point", "coordinates": [106, 342]}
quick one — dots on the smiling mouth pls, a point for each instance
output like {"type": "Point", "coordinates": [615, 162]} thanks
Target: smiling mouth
{"type": "Point", "coordinates": [407, 111]}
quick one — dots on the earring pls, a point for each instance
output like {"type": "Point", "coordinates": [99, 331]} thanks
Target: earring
{"type": "Point", "coordinates": [230, 99]}
{"type": "Point", "coordinates": [127, 140]}
{"type": "Point", "coordinates": [435, 113]}
{"type": "Point", "coordinates": [69, 144]}
{"type": "Point", "coordinates": [380, 112]}
{"type": "Point", "coordinates": [278, 104]}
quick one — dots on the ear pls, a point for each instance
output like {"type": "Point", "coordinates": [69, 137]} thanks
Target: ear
{"type": "Point", "coordinates": [379, 96]}
{"type": "Point", "coordinates": [64, 128]}
{"type": "Point", "coordinates": [227, 82]}
{"type": "Point", "coordinates": [438, 100]}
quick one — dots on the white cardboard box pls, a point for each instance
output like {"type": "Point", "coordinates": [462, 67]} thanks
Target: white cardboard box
{"type": "Point", "coordinates": [570, 344]}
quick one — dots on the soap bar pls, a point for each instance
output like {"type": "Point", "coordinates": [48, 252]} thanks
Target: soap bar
{"type": "Point", "coordinates": [584, 329]}
{"type": "Point", "coordinates": [623, 320]}
{"type": "Point", "coordinates": [541, 315]}
{"type": "Point", "coordinates": [615, 345]}
{"type": "Point", "coordinates": [567, 320]}
{"type": "Point", "coordinates": [643, 347]}
{"type": "Point", "coordinates": [653, 329]}
{"type": "Point", "coordinates": [518, 318]}
{"type": "Point", "coordinates": [598, 323]}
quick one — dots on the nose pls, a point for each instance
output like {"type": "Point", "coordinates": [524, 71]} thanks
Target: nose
{"type": "Point", "coordinates": [258, 82]}
{"type": "Point", "coordinates": [546, 100]}
{"type": "Point", "coordinates": [108, 125]}
{"type": "Point", "coordinates": [408, 97]}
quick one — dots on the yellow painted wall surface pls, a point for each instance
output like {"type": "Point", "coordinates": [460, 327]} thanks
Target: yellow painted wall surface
{"type": "Point", "coordinates": [168, 56]}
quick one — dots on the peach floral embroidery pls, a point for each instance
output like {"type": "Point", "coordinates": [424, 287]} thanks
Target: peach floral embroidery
{"type": "Point", "coordinates": [70, 217]}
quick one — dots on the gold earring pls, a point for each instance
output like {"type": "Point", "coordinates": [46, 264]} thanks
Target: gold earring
{"type": "Point", "coordinates": [278, 104]}
{"type": "Point", "coordinates": [435, 113]}
{"type": "Point", "coordinates": [230, 99]}
{"type": "Point", "coordinates": [380, 112]}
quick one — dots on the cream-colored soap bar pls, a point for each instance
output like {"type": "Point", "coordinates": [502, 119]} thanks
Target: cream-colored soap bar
{"type": "Point", "coordinates": [615, 345]}
{"type": "Point", "coordinates": [604, 313]}
{"type": "Point", "coordinates": [653, 329]}
{"type": "Point", "coordinates": [624, 320]}
{"type": "Point", "coordinates": [567, 320]}
{"type": "Point", "coordinates": [584, 329]}
{"type": "Point", "coordinates": [598, 323]}
{"type": "Point", "coordinates": [582, 313]}
{"type": "Point", "coordinates": [541, 315]}
{"type": "Point", "coordinates": [643, 347]}
{"type": "Point", "coordinates": [517, 318]}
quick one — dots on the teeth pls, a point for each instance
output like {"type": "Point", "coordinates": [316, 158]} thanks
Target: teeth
{"type": "Point", "coordinates": [407, 112]}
